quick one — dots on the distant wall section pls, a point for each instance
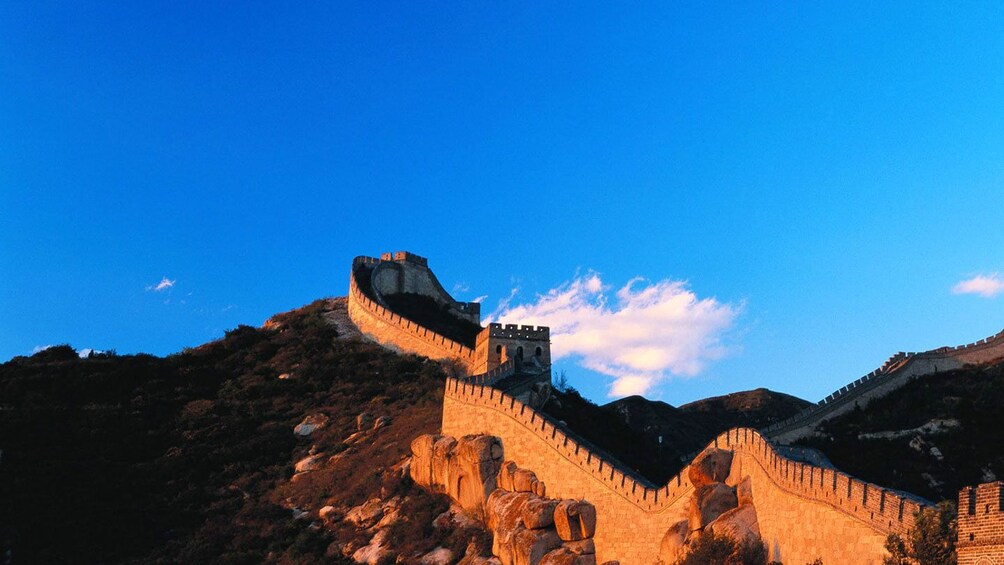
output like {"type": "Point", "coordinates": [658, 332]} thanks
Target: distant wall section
{"type": "Point", "coordinates": [897, 371]}
{"type": "Point", "coordinates": [393, 331]}
{"type": "Point", "coordinates": [406, 273]}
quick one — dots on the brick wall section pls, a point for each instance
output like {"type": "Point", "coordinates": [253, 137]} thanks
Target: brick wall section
{"type": "Point", "coordinates": [392, 330]}
{"type": "Point", "coordinates": [805, 511]}
{"type": "Point", "coordinates": [893, 374]}
{"type": "Point", "coordinates": [981, 525]}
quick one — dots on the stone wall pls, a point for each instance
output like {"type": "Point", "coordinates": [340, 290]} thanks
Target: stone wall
{"type": "Point", "coordinates": [807, 511]}
{"type": "Point", "coordinates": [897, 371]}
{"type": "Point", "coordinates": [981, 525]}
{"type": "Point", "coordinates": [396, 332]}
{"type": "Point", "coordinates": [403, 272]}
{"type": "Point", "coordinates": [497, 342]}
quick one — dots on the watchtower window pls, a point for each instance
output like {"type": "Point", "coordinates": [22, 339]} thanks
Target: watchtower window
{"type": "Point", "coordinates": [519, 352]}
{"type": "Point", "coordinates": [498, 349]}
{"type": "Point", "coordinates": [538, 352]}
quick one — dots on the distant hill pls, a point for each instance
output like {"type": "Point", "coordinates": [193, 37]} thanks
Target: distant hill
{"type": "Point", "coordinates": [655, 438]}
{"type": "Point", "coordinates": [752, 408]}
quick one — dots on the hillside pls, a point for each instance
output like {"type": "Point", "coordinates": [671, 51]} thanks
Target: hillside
{"type": "Point", "coordinates": [190, 458]}
{"type": "Point", "coordinates": [931, 437]}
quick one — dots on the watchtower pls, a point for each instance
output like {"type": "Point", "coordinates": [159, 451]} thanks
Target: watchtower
{"type": "Point", "coordinates": [981, 525]}
{"type": "Point", "coordinates": [498, 343]}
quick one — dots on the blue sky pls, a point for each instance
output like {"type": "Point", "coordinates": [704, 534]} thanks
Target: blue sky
{"type": "Point", "coordinates": [824, 175]}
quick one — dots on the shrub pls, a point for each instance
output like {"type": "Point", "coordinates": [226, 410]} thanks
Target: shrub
{"type": "Point", "coordinates": [930, 542]}
{"type": "Point", "coordinates": [715, 549]}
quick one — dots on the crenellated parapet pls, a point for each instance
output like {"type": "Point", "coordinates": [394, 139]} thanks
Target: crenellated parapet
{"type": "Point", "coordinates": [833, 510]}
{"type": "Point", "coordinates": [897, 371]}
{"type": "Point", "coordinates": [981, 524]}
{"type": "Point", "coordinates": [497, 343]}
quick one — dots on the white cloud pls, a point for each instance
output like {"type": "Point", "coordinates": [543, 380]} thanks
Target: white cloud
{"type": "Point", "coordinates": [480, 299]}
{"type": "Point", "coordinates": [39, 348]}
{"type": "Point", "coordinates": [985, 285]}
{"type": "Point", "coordinates": [652, 331]}
{"type": "Point", "coordinates": [164, 284]}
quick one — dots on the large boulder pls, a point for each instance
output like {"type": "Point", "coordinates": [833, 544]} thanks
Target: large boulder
{"type": "Point", "coordinates": [309, 463]}
{"type": "Point", "coordinates": [744, 492]}
{"type": "Point", "coordinates": [504, 512]}
{"type": "Point", "coordinates": [581, 547]}
{"type": "Point", "coordinates": [565, 556]}
{"type": "Point", "coordinates": [477, 462]}
{"type": "Point", "coordinates": [738, 523]}
{"type": "Point", "coordinates": [363, 421]}
{"type": "Point", "coordinates": [712, 465]}
{"type": "Point", "coordinates": [366, 514]}
{"type": "Point", "coordinates": [421, 459]}
{"type": "Point", "coordinates": [575, 519]}
{"type": "Point", "coordinates": [309, 424]}
{"type": "Point", "coordinates": [442, 461]}
{"type": "Point", "coordinates": [538, 512]}
{"type": "Point", "coordinates": [524, 480]}
{"type": "Point", "coordinates": [506, 473]}
{"type": "Point", "coordinates": [673, 542]}
{"type": "Point", "coordinates": [710, 502]}
{"type": "Point", "coordinates": [530, 546]}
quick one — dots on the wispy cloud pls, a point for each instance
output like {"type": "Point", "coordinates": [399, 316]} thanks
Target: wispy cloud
{"type": "Point", "coordinates": [646, 333]}
{"type": "Point", "coordinates": [987, 286]}
{"type": "Point", "coordinates": [461, 287]}
{"type": "Point", "coordinates": [164, 284]}
{"type": "Point", "coordinates": [479, 299]}
{"type": "Point", "coordinates": [39, 348]}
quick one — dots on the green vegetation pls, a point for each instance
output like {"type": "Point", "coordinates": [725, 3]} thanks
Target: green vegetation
{"type": "Point", "coordinates": [930, 542]}
{"type": "Point", "coordinates": [713, 549]}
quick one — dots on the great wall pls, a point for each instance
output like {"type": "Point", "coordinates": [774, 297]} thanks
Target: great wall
{"type": "Point", "coordinates": [802, 511]}
{"type": "Point", "coordinates": [894, 373]}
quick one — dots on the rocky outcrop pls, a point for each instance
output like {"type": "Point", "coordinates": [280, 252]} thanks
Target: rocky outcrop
{"type": "Point", "coordinates": [710, 502]}
{"type": "Point", "coordinates": [309, 424]}
{"type": "Point", "coordinates": [714, 506]}
{"type": "Point", "coordinates": [528, 528]}
{"type": "Point", "coordinates": [466, 470]}
{"type": "Point", "coordinates": [711, 466]}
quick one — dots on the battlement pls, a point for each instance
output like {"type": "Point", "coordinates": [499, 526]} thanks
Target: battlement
{"type": "Point", "coordinates": [981, 523]}
{"type": "Point", "coordinates": [404, 257]}
{"type": "Point", "coordinates": [514, 331]}
{"type": "Point", "coordinates": [982, 500]}
{"type": "Point", "coordinates": [894, 373]}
